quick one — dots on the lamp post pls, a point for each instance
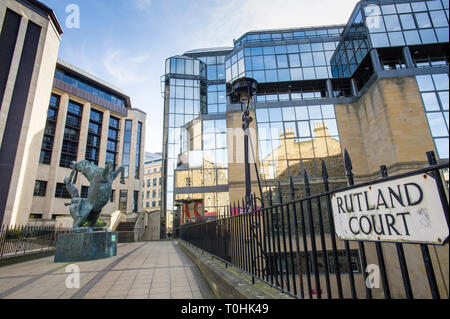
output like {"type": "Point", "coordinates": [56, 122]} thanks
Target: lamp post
{"type": "Point", "coordinates": [245, 90]}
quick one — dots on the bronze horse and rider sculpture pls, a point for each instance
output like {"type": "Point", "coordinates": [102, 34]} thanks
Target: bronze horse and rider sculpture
{"type": "Point", "coordinates": [88, 209]}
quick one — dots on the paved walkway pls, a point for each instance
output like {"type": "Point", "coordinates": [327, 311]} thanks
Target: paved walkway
{"type": "Point", "coordinates": [152, 270]}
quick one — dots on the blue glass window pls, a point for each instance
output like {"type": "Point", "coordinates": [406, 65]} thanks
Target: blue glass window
{"type": "Point", "coordinates": [412, 37]}
{"type": "Point", "coordinates": [407, 21]}
{"type": "Point", "coordinates": [439, 19]}
{"type": "Point", "coordinates": [428, 36]}
{"type": "Point", "coordinates": [423, 21]}
{"type": "Point", "coordinates": [270, 62]}
{"type": "Point", "coordinates": [379, 40]}
{"type": "Point", "coordinates": [307, 59]}
{"type": "Point", "coordinates": [419, 6]}
{"type": "Point", "coordinates": [284, 75]}
{"type": "Point", "coordinates": [294, 60]}
{"type": "Point", "coordinates": [388, 9]}
{"type": "Point", "coordinates": [392, 23]}
{"type": "Point", "coordinates": [296, 74]}
{"type": "Point", "coordinates": [396, 38]}
{"type": "Point", "coordinates": [282, 61]}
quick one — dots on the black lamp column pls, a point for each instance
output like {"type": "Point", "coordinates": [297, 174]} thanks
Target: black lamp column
{"type": "Point", "coordinates": [245, 90]}
{"type": "Point", "coordinates": [246, 120]}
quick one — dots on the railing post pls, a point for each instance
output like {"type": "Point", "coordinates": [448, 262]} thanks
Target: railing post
{"type": "Point", "coordinates": [348, 168]}
{"type": "Point", "coordinates": [312, 235]}
{"type": "Point", "coordinates": [280, 256]}
{"type": "Point", "coordinates": [401, 255]}
{"type": "Point", "coordinates": [288, 284]}
{"type": "Point", "coordinates": [362, 250]}
{"type": "Point", "coordinates": [297, 240]}
{"type": "Point", "coordinates": [424, 248]}
{"type": "Point", "coordinates": [276, 260]}
{"type": "Point", "coordinates": [332, 230]}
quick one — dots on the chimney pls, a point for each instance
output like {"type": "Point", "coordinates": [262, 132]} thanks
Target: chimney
{"type": "Point", "coordinates": [320, 129]}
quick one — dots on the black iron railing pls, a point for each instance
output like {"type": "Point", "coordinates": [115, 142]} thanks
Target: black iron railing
{"type": "Point", "coordinates": [292, 245]}
{"type": "Point", "coordinates": [20, 240]}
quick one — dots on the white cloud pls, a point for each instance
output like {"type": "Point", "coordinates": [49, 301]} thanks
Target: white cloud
{"type": "Point", "coordinates": [124, 68]}
{"type": "Point", "coordinates": [233, 18]}
{"type": "Point", "coordinates": [142, 4]}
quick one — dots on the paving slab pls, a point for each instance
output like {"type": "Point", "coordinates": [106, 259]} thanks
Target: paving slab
{"type": "Point", "coordinates": [150, 270]}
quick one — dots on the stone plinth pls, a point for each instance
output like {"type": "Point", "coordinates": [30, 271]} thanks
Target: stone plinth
{"type": "Point", "coordinates": [85, 246]}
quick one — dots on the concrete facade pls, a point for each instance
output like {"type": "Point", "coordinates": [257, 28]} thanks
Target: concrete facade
{"type": "Point", "coordinates": [26, 158]}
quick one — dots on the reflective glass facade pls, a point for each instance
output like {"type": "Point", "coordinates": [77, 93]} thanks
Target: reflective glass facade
{"type": "Point", "coordinates": [185, 99]}
{"type": "Point", "coordinates": [294, 138]}
{"type": "Point", "coordinates": [88, 87]}
{"type": "Point", "coordinates": [289, 60]}
{"type": "Point", "coordinates": [434, 91]}
{"type": "Point", "coordinates": [414, 23]}
{"type": "Point", "coordinates": [127, 147]}
{"type": "Point", "coordinates": [50, 127]}
{"type": "Point", "coordinates": [94, 136]}
{"type": "Point", "coordinates": [69, 149]}
{"type": "Point", "coordinates": [303, 76]}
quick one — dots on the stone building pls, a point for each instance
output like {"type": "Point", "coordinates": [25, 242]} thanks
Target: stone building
{"type": "Point", "coordinates": [29, 41]}
{"type": "Point", "coordinates": [88, 119]}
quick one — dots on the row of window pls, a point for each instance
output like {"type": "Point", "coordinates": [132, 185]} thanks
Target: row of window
{"type": "Point", "coordinates": [287, 36]}
{"type": "Point", "coordinates": [155, 182]}
{"type": "Point", "coordinates": [154, 204]}
{"type": "Point", "coordinates": [89, 87]}
{"type": "Point", "coordinates": [40, 189]}
{"type": "Point", "coordinates": [154, 194]}
{"type": "Point", "coordinates": [435, 95]}
{"type": "Point", "coordinates": [282, 63]}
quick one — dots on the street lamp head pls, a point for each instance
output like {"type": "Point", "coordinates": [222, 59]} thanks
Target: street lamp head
{"type": "Point", "coordinates": [245, 90]}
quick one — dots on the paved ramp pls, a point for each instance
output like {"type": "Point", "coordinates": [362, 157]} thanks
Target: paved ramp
{"type": "Point", "coordinates": [151, 270]}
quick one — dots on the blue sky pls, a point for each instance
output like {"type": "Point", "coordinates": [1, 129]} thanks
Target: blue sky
{"type": "Point", "coordinates": [125, 42]}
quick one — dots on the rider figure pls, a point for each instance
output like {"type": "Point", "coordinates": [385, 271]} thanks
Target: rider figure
{"type": "Point", "coordinates": [89, 209]}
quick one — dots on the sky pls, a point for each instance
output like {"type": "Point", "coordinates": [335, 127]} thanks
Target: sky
{"type": "Point", "coordinates": [126, 42]}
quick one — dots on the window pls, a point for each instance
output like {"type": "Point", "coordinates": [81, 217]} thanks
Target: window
{"type": "Point", "coordinates": [155, 181]}
{"type": "Point", "coordinates": [94, 136]}
{"type": "Point", "coordinates": [135, 201]}
{"type": "Point", "coordinates": [123, 201]}
{"type": "Point", "coordinates": [40, 188]}
{"type": "Point", "coordinates": [434, 90]}
{"type": "Point", "coordinates": [84, 192]}
{"type": "Point", "coordinates": [49, 132]}
{"type": "Point", "coordinates": [306, 258]}
{"type": "Point", "coordinates": [69, 149]}
{"type": "Point", "coordinates": [127, 147]}
{"type": "Point", "coordinates": [89, 88]}
{"type": "Point", "coordinates": [61, 191]}
{"type": "Point", "coordinates": [138, 151]}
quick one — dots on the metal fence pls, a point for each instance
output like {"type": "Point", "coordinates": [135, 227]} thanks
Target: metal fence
{"type": "Point", "coordinates": [292, 246]}
{"type": "Point", "coordinates": [21, 240]}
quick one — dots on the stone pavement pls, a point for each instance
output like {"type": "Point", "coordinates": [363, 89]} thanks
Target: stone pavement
{"type": "Point", "coordinates": [151, 270]}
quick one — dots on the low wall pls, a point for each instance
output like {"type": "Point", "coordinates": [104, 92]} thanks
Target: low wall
{"type": "Point", "coordinates": [229, 282]}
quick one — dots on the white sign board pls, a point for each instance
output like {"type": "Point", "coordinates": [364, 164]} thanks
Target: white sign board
{"type": "Point", "coordinates": [405, 210]}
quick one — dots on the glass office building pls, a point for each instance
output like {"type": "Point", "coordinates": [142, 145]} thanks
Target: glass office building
{"type": "Point", "coordinates": [377, 86]}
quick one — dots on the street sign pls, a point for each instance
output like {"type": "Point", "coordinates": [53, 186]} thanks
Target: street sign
{"type": "Point", "coordinates": [407, 210]}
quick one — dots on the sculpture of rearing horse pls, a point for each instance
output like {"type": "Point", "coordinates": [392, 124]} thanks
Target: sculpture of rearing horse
{"type": "Point", "coordinates": [101, 179]}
